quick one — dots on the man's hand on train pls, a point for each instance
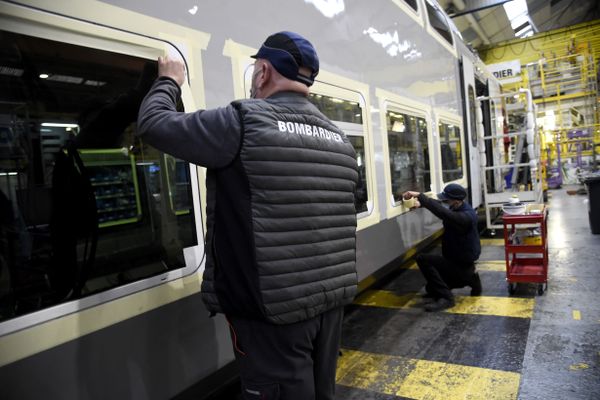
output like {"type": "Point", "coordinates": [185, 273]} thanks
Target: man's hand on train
{"type": "Point", "coordinates": [171, 68]}
{"type": "Point", "coordinates": [409, 195]}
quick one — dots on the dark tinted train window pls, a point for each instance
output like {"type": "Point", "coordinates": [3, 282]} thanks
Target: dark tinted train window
{"type": "Point", "coordinates": [85, 206]}
{"type": "Point", "coordinates": [348, 115]}
{"type": "Point", "coordinates": [472, 115]}
{"type": "Point", "coordinates": [412, 4]}
{"type": "Point", "coordinates": [451, 148]}
{"type": "Point", "coordinates": [438, 22]}
{"type": "Point", "coordinates": [409, 153]}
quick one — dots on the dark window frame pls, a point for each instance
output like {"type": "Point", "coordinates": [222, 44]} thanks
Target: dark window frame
{"type": "Point", "coordinates": [437, 20]}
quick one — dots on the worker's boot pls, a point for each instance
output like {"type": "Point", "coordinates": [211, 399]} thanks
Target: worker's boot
{"type": "Point", "coordinates": [475, 285]}
{"type": "Point", "coordinates": [440, 304]}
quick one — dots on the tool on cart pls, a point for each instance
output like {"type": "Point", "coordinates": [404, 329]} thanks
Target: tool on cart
{"type": "Point", "coordinates": [526, 247]}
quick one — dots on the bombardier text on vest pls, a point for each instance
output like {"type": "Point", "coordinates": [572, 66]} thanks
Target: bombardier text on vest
{"type": "Point", "coordinates": [309, 130]}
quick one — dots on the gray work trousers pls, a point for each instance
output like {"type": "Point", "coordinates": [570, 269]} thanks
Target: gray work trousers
{"type": "Point", "coordinates": [288, 362]}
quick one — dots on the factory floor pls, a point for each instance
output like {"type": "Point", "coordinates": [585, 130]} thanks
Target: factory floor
{"type": "Point", "coordinates": [494, 346]}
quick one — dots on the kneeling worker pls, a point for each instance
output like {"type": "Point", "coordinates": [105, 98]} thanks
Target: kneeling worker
{"type": "Point", "coordinates": [455, 268]}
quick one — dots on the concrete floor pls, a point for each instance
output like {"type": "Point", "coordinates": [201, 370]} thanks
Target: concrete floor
{"type": "Point", "coordinates": [562, 356]}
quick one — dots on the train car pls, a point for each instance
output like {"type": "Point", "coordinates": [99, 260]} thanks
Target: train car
{"type": "Point", "coordinates": [102, 236]}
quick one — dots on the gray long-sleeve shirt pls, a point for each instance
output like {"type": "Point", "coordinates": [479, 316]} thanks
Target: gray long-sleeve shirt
{"type": "Point", "coordinates": [210, 138]}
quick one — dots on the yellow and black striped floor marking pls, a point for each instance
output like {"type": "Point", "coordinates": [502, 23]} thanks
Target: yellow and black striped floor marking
{"type": "Point", "coordinates": [491, 265]}
{"type": "Point", "coordinates": [492, 242]}
{"type": "Point", "coordinates": [422, 379]}
{"type": "Point", "coordinates": [478, 305]}
{"type": "Point", "coordinates": [474, 350]}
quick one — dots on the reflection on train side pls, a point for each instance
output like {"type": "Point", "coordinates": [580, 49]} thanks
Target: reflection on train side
{"type": "Point", "coordinates": [85, 206]}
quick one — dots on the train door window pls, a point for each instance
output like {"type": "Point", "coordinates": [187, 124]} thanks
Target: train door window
{"type": "Point", "coordinates": [85, 205]}
{"type": "Point", "coordinates": [408, 153]}
{"type": "Point", "coordinates": [451, 151]}
{"type": "Point", "coordinates": [348, 116]}
{"type": "Point", "coordinates": [472, 115]}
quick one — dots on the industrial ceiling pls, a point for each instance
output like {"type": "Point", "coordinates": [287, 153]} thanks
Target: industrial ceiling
{"type": "Point", "coordinates": [491, 25]}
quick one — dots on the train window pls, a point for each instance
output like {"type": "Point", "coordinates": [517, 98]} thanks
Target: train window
{"type": "Point", "coordinates": [451, 148]}
{"type": "Point", "coordinates": [412, 4]}
{"type": "Point", "coordinates": [408, 153]}
{"type": "Point", "coordinates": [472, 115]}
{"type": "Point", "coordinates": [348, 116]}
{"type": "Point", "coordinates": [437, 20]}
{"type": "Point", "coordinates": [85, 206]}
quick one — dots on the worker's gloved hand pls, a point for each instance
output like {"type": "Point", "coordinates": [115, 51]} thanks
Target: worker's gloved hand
{"type": "Point", "coordinates": [409, 199]}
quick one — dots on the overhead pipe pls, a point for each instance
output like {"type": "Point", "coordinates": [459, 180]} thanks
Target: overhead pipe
{"type": "Point", "coordinates": [460, 5]}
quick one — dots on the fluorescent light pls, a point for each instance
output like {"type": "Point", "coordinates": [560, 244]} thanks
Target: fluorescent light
{"type": "Point", "coordinates": [65, 79]}
{"type": "Point", "coordinates": [8, 173]}
{"type": "Point", "coordinates": [90, 82]}
{"type": "Point", "coordinates": [44, 76]}
{"type": "Point", "coordinates": [10, 71]}
{"type": "Point", "coordinates": [59, 125]}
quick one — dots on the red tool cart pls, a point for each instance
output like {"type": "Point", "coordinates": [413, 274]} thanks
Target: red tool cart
{"type": "Point", "coordinates": [526, 248]}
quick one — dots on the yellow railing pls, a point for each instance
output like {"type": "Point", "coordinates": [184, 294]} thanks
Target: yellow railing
{"type": "Point", "coordinates": [574, 142]}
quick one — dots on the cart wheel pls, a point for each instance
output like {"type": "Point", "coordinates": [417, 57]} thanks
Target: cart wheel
{"type": "Point", "coordinates": [512, 287]}
{"type": "Point", "coordinates": [540, 289]}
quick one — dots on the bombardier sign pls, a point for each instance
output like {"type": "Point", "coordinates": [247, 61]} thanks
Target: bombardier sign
{"type": "Point", "coordinates": [507, 72]}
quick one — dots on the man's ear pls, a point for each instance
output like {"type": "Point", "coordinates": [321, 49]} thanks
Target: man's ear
{"type": "Point", "coordinates": [266, 73]}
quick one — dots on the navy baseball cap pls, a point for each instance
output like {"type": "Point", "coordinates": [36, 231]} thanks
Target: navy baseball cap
{"type": "Point", "coordinates": [453, 191]}
{"type": "Point", "coordinates": [287, 52]}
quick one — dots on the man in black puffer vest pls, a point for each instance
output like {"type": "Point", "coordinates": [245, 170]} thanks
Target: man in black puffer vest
{"type": "Point", "coordinates": [455, 268]}
{"type": "Point", "coordinates": [281, 217]}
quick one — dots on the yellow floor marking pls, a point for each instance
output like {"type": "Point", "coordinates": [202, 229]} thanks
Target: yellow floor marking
{"type": "Point", "coordinates": [491, 265]}
{"type": "Point", "coordinates": [420, 379]}
{"type": "Point", "coordinates": [576, 315]}
{"type": "Point", "coordinates": [492, 242]}
{"type": "Point", "coordinates": [479, 305]}
{"type": "Point", "coordinates": [577, 367]}
{"type": "Point", "coordinates": [386, 299]}
{"type": "Point", "coordinates": [412, 265]}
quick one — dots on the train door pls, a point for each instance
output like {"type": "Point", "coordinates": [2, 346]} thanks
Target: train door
{"type": "Point", "coordinates": [468, 82]}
